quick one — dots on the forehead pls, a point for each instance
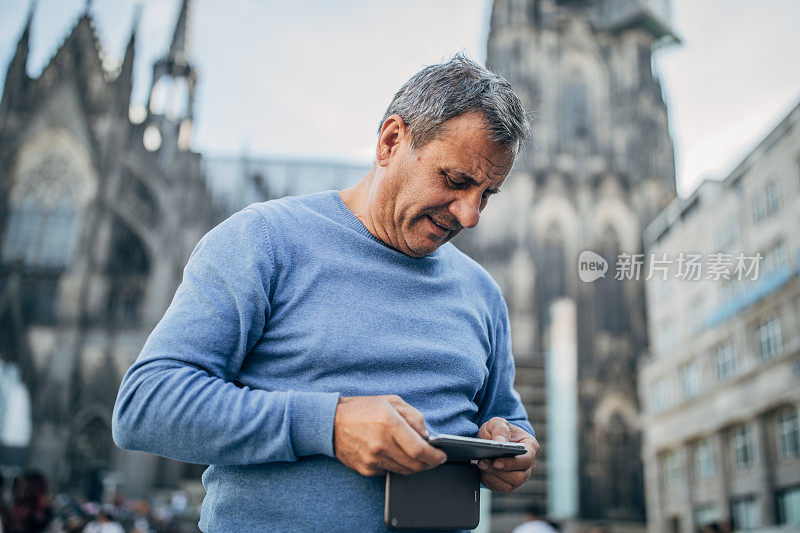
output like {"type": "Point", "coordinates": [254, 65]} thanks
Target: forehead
{"type": "Point", "coordinates": [464, 146]}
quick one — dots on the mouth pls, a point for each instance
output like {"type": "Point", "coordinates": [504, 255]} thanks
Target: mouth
{"type": "Point", "coordinates": [440, 229]}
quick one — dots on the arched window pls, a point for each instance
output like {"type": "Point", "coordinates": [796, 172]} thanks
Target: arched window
{"type": "Point", "coordinates": [127, 268]}
{"type": "Point", "coordinates": [623, 493]}
{"type": "Point", "coordinates": [170, 97]}
{"type": "Point", "coordinates": [42, 224]}
{"type": "Point", "coordinates": [550, 274]}
{"type": "Point", "coordinates": [609, 302]}
{"type": "Point", "coordinates": [646, 148]}
{"type": "Point", "coordinates": [576, 119]}
{"type": "Point", "coordinates": [90, 457]}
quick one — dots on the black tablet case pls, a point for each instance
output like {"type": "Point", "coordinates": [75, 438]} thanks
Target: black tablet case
{"type": "Point", "coordinates": [445, 497]}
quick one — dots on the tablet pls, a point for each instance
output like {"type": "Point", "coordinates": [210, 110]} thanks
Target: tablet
{"type": "Point", "coordinates": [469, 448]}
{"type": "Point", "coordinates": [444, 497]}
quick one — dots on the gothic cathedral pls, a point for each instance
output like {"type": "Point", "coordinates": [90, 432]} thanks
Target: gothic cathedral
{"type": "Point", "coordinates": [98, 216]}
{"type": "Point", "coordinates": [600, 167]}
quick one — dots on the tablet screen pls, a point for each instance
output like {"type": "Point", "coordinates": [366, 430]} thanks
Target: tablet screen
{"type": "Point", "coordinates": [468, 448]}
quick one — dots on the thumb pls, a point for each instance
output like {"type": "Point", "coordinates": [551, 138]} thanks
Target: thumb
{"type": "Point", "coordinates": [498, 429]}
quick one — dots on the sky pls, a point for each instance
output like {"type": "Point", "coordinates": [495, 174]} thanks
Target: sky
{"type": "Point", "coordinates": [312, 78]}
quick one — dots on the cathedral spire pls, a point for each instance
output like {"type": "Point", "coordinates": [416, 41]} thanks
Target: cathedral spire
{"type": "Point", "coordinates": [126, 71]}
{"type": "Point", "coordinates": [171, 101]}
{"type": "Point", "coordinates": [23, 44]}
{"type": "Point", "coordinates": [26, 33]}
{"type": "Point", "coordinates": [16, 75]}
{"type": "Point", "coordinates": [127, 63]}
{"type": "Point", "coordinates": [178, 50]}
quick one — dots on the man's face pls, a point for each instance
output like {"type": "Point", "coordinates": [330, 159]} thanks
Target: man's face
{"type": "Point", "coordinates": [428, 195]}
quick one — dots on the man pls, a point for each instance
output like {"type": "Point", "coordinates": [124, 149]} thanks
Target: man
{"type": "Point", "coordinates": [314, 341]}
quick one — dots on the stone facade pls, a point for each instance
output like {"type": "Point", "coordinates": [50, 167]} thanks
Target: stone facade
{"type": "Point", "coordinates": [601, 166]}
{"type": "Point", "coordinates": [98, 216]}
{"type": "Point", "coordinates": [721, 384]}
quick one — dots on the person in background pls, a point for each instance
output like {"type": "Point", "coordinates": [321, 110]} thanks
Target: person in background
{"type": "Point", "coordinates": [103, 523]}
{"type": "Point", "coordinates": [534, 522]}
{"type": "Point", "coordinates": [30, 511]}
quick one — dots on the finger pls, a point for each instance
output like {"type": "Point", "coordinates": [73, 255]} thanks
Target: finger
{"type": "Point", "coordinates": [416, 452]}
{"type": "Point", "coordinates": [507, 472]}
{"type": "Point", "coordinates": [387, 463]}
{"type": "Point", "coordinates": [518, 462]}
{"type": "Point", "coordinates": [495, 429]}
{"type": "Point", "coordinates": [413, 417]}
{"type": "Point", "coordinates": [515, 478]}
{"type": "Point", "coordinates": [495, 483]}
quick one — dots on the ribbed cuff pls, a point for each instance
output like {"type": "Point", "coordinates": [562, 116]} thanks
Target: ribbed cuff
{"type": "Point", "coordinates": [312, 416]}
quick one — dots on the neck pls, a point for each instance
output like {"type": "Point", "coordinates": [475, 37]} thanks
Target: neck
{"type": "Point", "coordinates": [357, 198]}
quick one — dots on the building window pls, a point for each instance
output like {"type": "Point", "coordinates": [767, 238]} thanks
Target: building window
{"type": "Point", "coordinates": [610, 305]}
{"type": "Point", "coordinates": [772, 194]}
{"type": "Point", "coordinates": [729, 289]}
{"type": "Point", "coordinates": [726, 360]}
{"type": "Point", "coordinates": [789, 506]}
{"type": "Point", "coordinates": [774, 258]}
{"type": "Point", "coordinates": [660, 395]}
{"type": "Point", "coordinates": [697, 316]}
{"type": "Point", "coordinates": [690, 380]}
{"type": "Point", "coordinates": [745, 513]}
{"type": "Point", "coordinates": [704, 460]}
{"type": "Point", "coordinates": [767, 202]}
{"type": "Point", "coordinates": [706, 514]}
{"type": "Point", "coordinates": [727, 234]}
{"type": "Point", "coordinates": [576, 119]}
{"type": "Point", "coordinates": [788, 433]}
{"type": "Point", "coordinates": [673, 470]}
{"type": "Point", "coordinates": [552, 286]}
{"type": "Point", "coordinates": [759, 207]}
{"type": "Point", "coordinates": [768, 339]}
{"type": "Point", "coordinates": [667, 338]}
{"type": "Point", "coordinates": [39, 236]}
{"type": "Point", "coordinates": [742, 447]}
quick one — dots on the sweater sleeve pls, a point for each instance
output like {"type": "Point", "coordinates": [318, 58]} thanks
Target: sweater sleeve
{"type": "Point", "coordinates": [179, 399]}
{"type": "Point", "coordinates": [498, 396]}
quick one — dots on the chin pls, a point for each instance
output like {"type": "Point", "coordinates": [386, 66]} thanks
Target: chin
{"type": "Point", "coordinates": [427, 247]}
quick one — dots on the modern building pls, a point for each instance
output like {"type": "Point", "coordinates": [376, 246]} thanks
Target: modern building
{"type": "Point", "coordinates": [601, 166]}
{"type": "Point", "coordinates": [720, 387]}
{"type": "Point", "coordinates": [235, 182]}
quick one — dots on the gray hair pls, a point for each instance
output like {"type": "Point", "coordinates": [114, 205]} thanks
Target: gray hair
{"type": "Point", "coordinates": [441, 92]}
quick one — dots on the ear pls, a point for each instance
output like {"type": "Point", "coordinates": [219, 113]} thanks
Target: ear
{"type": "Point", "coordinates": [394, 134]}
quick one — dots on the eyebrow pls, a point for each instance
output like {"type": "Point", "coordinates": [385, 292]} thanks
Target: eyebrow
{"type": "Point", "coordinates": [469, 179]}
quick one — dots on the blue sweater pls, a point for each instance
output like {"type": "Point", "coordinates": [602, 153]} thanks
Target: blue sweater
{"type": "Point", "coordinates": [283, 307]}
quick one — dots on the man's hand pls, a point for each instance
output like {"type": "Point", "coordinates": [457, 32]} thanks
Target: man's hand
{"type": "Point", "coordinates": [373, 434]}
{"type": "Point", "coordinates": [507, 473]}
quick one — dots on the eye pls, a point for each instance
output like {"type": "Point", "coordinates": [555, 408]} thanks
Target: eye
{"type": "Point", "coordinates": [452, 183]}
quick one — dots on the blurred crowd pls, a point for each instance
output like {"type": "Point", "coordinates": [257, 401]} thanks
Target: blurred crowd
{"type": "Point", "coordinates": [26, 505]}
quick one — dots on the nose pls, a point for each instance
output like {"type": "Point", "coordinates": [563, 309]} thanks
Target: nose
{"type": "Point", "coordinates": [467, 210]}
